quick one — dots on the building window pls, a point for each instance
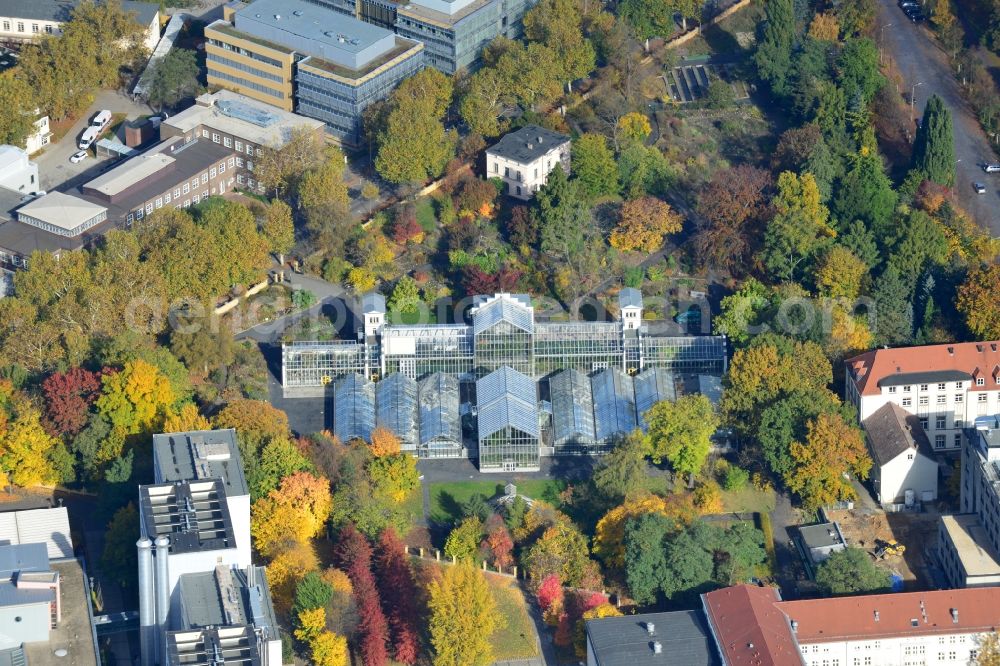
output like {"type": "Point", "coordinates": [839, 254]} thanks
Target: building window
{"type": "Point", "coordinates": [939, 441]}
{"type": "Point", "coordinates": [923, 387]}
{"type": "Point", "coordinates": [249, 165]}
{"type": "Point", "coordinates": [34, 28]}
{"type": "Point", "coordinates": [227, 142]}
{"type": "Point", "coordinates": [941, 386]}
{"type": "Point", "coordinates": [130, 219]}
{"type": "Point", "coordinates": [519, 190]}
{"type": "Point", "coordinates": [536, 173]}
{"type": "Point", "coordinates": [194, 199]}
{"type": "Point", "coordinates": [166, 198]}
{"type": "Point", "coordinates": [222, 167]}
{"type": "Point", "coordinates": [239, 162]}
{"type": "Point", "coordinates": [187, 202]}
{"type": "Point", "coordinates": [959, 397]}
{"type": "Point", "coordinates": [924, 400]}
{"type": "Point", "coordinates": [892, 389]}
{"type": "Point", "coordinates": [212, 173]}
{"type": "Point", "coordinates": [907, 402]}
{"type": "Point", "coordinates": [496, 167]}
{"type": "Point", "coordinates": [958, 440]}
{"type": "Point", "coordinates": [215, 138]}
{"type": "Point", "coordinates": [940, 422]}
{"type": "Point", "coordinates": [48, 30]}
{"type": "Point", "coordinates": [149, 208]}
{"type": "Point", "coordinates": [980, 381]}
{"type": "Point", "coordinates": [204, 195]}
{"type": "Point", "coordinates": [249, 149]}
{"type": "Point", "coordinates": [20, 26]}
{"type": "Point", "coordinates": [204, 133]}
{"type": "Point", "coordinates": [982, 397]}
{"type": "Point", "coordinates": [506, 172]}
{"type": "Point", "coordinates": [519, 176]}
{"type": "Point", "coordinates": [239, 146]}
{"type": "Point", "coordinates": [6, 26]}
{"type": "Point", "coordinates": [138, 214]}
{"type": "Point", "coordinates": [907, 388]}
{"type": "Point", "coordinates": [909, 456]}
{"type": "Point", "coordinates": [159, 202]}
{"type": "Point", "coordinates": [186, 188]}
{"type": "Point", "coordinates": [942, 399]}
{"type": "Point", "coordinates": [923, 422]}
{"type": "Point", "coordinates": [239, 178]}
{"type": "Point", "coordinates": [232, 162]}
{"type": "Point", "coordinates": [177, 193]}
{"type": "Point", "coordinates": [249, 182]}
{"type": "Point", "coordinates": [204, 178]}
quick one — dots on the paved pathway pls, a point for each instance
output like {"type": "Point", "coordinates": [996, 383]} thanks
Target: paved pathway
{"type": "Point", "coordinates": [330, 299]}
{"type": "Point", "coordinates": [921, 61]}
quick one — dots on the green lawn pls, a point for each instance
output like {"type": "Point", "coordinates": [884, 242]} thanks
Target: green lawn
{"type": "Point", "coordinates": [447, 498]}
{"type": "Point", "coordinates": [414, 504]}
{"type": "Point", "coordinates": [748, 500]}
{"type": "Point", "coordinates": [517, 639]}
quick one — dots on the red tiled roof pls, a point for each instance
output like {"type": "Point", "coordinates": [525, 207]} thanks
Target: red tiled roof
{"type": "Point", "coordinates": [749, 628]}
{"type": "Point", "coordinates": [968, 357]}
{"type": "Point", "coordinates": [842, 618]}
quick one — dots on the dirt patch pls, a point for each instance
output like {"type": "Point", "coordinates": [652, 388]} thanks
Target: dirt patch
{"type": "Point", "coordinates": [865, 528]}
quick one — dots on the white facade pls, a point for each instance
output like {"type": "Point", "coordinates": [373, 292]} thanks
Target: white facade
{"type": "Point", "coordinates": [17, 172]}
{"type": "Point", "coordinates": [927, 650]}
{"type": "Point", "coordinates": [20, 29]}
{"type": "Point", "coordinates": [944, 408]}
{"type": "Point", "coordinates": [40, 137]}
{"type": "Point", "coordinates": [523, 179]}
{"type": "Point", "coordinates": [910, 470]}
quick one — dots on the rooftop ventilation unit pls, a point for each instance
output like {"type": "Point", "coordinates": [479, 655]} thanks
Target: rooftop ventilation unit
{"type": "Point", "coordinates": [297, 12]}
{"type": "Point", "coordinates": [651, 628]}
{"type": "Point", "coordinates": [657, 647]}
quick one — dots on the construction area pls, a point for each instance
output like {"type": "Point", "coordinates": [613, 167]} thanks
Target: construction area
{"type": "Point", "coordinates": [915, 535]}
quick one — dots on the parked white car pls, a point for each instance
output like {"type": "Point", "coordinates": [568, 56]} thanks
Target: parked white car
{"type": "Point", "coordinates": [78, 156]}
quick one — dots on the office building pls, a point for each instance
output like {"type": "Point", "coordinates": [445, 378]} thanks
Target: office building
{"type": "Point", "coordinates": [524, 158]}
{"type": "Point", "coordinates": [306, 57]}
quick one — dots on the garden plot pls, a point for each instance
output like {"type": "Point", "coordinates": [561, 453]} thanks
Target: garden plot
{"type": "Point", "coordinates": [689, 83]}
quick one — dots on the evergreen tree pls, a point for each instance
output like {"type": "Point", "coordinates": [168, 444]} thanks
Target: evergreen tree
{"type": "Point", "coordinates": [563, 215]}
{"type": "Point", "coordinates": [866, 192]}
{"type": "Point", "coordinates": [774, 51]}
{"type": "Point", "coordinates": [893, 310]}
{"type": "Point", "coordinates": [934, 149]}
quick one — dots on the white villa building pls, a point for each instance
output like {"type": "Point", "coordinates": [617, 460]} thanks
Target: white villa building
{"type": "Point", "coordinates": [524, 158]}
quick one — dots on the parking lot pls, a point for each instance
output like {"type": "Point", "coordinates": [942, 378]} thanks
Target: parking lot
{"type": "Point", "coordinates": [56, 172]}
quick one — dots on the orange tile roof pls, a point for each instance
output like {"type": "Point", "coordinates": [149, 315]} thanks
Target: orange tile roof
{"type": "Point", "coordinates": [972, 358]}
{"type": "Point", "coordinates": [854, 618]}
{"type": "Point", "coordinates": [749, 628]}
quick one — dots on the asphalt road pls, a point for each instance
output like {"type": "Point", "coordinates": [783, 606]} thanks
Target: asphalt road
{"type": "Point", "coordinates": [921, 61]}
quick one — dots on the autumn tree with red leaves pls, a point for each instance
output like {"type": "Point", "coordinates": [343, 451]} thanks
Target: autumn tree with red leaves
{"type": "Point", "coordinates": [68, 397]}
{"type": "Point", "coordinates": [498, 545]}
{"type": "Point", "coordinates": [399, 594]}
{"type": "Point", "coordinates": [355, 555]}
{"type": "Point", "coordinates": [477, 281]}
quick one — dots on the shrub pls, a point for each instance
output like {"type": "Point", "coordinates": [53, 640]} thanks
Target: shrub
{"type": "Point", "coordinates": [633, 277]}
{"type": "Point", "coordinates": [735, 479]}
{"type": "Point", "coordinates": [369, 191]}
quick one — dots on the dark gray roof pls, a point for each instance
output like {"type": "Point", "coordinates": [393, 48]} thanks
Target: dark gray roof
{"type": "Point", "coordinates": [202, 454]}
{"type": "Point", "coordinates": [629, 297]}
{"type": "Point", "coordinates": [891, 431]}
{"type": "Point", "coordinates": [61, 10]}
{"type": "Point", "coordinates": [928, 377]}
{"type": "Point", "coordinates": [528, 144]}
{"type": "Point", "coordinates": [372, 301]}
{"type": "Point", "coordinates": [625, 641]}
{"type": "Point", "coordinates": [24, 239]}
{"type": "Point", "coordinates": [822, 535]}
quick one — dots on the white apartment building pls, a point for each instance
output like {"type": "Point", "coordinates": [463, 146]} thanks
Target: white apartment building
{"type": "Point", "coordinates": [40, 137]}
{"type": "Point", "coordinates": [946, 386]}
{"type": "Point", "coordinates": [524, 158]}
{"type": "Point", "coordinates": [17, 172]}
{"type": "Point", "coordinates": [24, 21]}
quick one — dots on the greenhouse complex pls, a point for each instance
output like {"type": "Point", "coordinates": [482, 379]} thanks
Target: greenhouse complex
{"type": "Point", "coordinates": [504, 389]}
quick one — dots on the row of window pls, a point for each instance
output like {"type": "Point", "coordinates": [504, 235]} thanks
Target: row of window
{"type": "Point", "coordinates": [907, 388]}
{"type": "Point", "coordinates": [229, 142]}
{"type": "Point", "coordinates": [243, 67]}
{"type": "Point", "coordinates": [14, 259]}
{"type": "Point", "coordinates": [243, 52]}
{"type": "Point", "coordinates": [34, 27]}
{"type": "Point", "coordinates": [184, 189]}
{"type": "Point", "coordinates": [238, 80]}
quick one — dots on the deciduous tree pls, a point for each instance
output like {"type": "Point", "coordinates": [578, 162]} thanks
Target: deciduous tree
{"type": "Point", "coordinates": [464, 617]}
{"type": "Point", "coordinates": [173, 78]}
{"type": "Point", "coordinates": [68, 397]}
{"type": "Point", "coordinates": [730, 209]}
{"type": "Point", "coordinates": [978, 301]}
{"type": "Point", "coordinates": [135, 399]}
{"type": "Point", "coordinates": [399, 597]}
{"type": "Point", "coordinates": [594, 166]}
{"type": "Point", "coordinates": [413, 145]}
{"type": "Point", "coordinates": [851, 571]}
{"type": "Point", "coordinates": [463, 541]}
{"type": "Point", "coordinates": [621, 474]}
{"type": "Point", "coordinates": [680, 432]}
{"type": "Point", "coordinates": [17, 98]}
{"type": "Point", "coordinates": [839, 273]}
{"type": "Point", "coordinates": [799, 229]}
{"type": "Point", "coordinates": [394, 477]}
{"type": "Point", "coordinates": [832, 450]}
{"type": "Point", "coordinates": [297, 510]}
{"type": "Point", "coordinates": [824, 27]}
{"type": "Point", "coordinates": [643, 225]}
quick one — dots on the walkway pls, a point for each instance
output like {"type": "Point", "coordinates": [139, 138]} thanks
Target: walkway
{"type": "Point", "coordinates": [326, 293]}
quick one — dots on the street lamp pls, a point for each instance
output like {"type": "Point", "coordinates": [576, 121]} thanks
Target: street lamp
{"type": "Point", "coordinates": [913, 90]}
{"type": "Point", "coordinates": [881, 40]}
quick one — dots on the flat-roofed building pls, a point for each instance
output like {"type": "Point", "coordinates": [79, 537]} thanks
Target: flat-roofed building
{"type": "Point", "coordinates": [310, 58]}
{"type": "Point", "coordinates": [822, 540]}
{"type": "Point", "coordinates": [245, 125]}
{"type": "Point", "coordinates": [62, 214]}
{"type": "Point", "coordinates": [456, 31]}
{"type": "Point", "coordinates": [651, 639]}
{"type": "Point", "coordinates": [17, 172]}
{"type": "Point", "coordinates": [966, 553]}
{"type": "Point", "coordinates": [175, 173]}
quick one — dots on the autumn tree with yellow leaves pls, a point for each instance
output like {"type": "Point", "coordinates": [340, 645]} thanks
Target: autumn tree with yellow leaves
{"type": "Point", "coordinates": [296, 511]}
{"type": "Point", "coordinates": [643, 225]}
{"type": "Point", "coordinates": [464, 616]}
{"type": "Point", "coordinates": [833, 451]}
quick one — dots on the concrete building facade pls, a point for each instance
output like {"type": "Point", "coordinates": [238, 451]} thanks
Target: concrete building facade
{"type": "Point", "coordinates": [17, 172]}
